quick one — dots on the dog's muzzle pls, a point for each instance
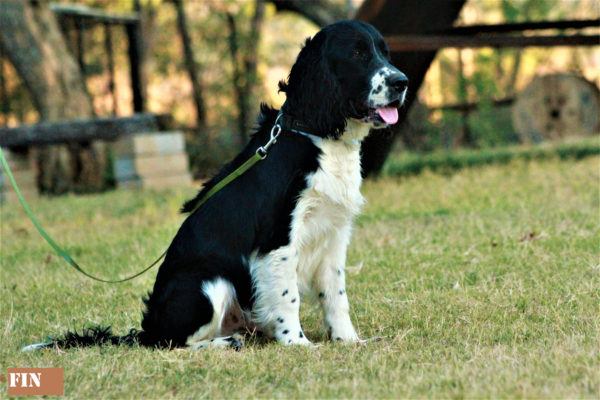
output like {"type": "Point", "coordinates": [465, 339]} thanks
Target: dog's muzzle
{"type": "Point", "coordinates": [387, 94]}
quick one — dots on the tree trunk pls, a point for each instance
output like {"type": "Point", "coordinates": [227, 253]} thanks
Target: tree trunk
{"type": "Point", "coordinates": [251, 62]}
{"type": "Point", "coordinates": [149, 31]}
{"type": "Point", "coordinates": [510, 84]}
{"type": "Point", "coordinates": [237, 77]}
{"type": "Point", "coordinates": [418, 17]}
{"type": "Point", "coordinates": [466, 139]}
{"type": "Point", "coordinates": [32, 41]}
{"type": "Point", "coordinates": [245, 61]}
{"type": "Point", "coordinates": [3, 96]}
{"type": "Point", "coordinates": [190, 64]}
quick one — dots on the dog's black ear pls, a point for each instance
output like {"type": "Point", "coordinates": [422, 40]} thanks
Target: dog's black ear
{"type": "Point", "coordinates": [313, 92]}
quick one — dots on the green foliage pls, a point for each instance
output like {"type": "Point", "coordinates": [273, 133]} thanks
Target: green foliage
{"type": "Point", "coordinates": [450, 161]}
{"type": "Point", "coordinates": [492, 126]}
{"type": "Point", "coordinates": [494, 74]}
{"type": "Point", "coordinates": [483, 285]}
{"type": "Point", "coordinates": [510, 10]}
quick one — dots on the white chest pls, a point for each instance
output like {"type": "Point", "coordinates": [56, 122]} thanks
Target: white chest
{"type": "Point", "coordinates": [332, 198]}
{"type": "Point", "coordinates": [334, 188]}
{"type": "Point", "coordinates": [322, 219]}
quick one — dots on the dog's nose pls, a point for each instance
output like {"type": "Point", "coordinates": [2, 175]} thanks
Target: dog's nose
{"type": "Point", "coordinates": [398, 81]}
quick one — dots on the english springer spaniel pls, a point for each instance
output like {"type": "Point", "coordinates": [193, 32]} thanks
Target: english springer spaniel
{"type": "Point", "coordinates": [280, 230]}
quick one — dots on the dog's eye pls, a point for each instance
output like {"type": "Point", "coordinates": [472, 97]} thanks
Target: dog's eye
{"type": "Point", "coordinates": [357, 54]}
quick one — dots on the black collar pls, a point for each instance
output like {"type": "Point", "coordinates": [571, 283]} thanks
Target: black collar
{"type": "Point", "coordinates": [290, 123]}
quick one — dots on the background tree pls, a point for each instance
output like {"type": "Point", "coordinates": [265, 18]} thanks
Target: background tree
{"type": "Point", "coordinates": [320, 12]}
{"type": "Point", "coordinates": [245, 60]}
{"type": "Point", "coordinates": [490, 76]}
{"type": "Point", "coordinates": [191, 65]}
{"type": "Point", "coordinates": [31, 39]}
{"type": "Point", "coordinates": [239, 53]}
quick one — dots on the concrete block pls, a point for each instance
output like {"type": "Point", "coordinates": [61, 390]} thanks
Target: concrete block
{"type": "Point", "coordinates": [150, 144]}
{"type": "Point", "coordinates": [124, 168]}
{"type": "Point", "coordinates": [8, 195]}
{"type": "Point", "coordinates": [151, 161]}
{"type": "Point", "coordinates": [25, 179]}
{"type": "Point", "coordinates": [158, 182]}
{"type": "Point", "coordinates": [24, 175]}
{"type": "Point", "coordinates": [16, 161]}
{"type": "Point", "coordinates": [128, 168]}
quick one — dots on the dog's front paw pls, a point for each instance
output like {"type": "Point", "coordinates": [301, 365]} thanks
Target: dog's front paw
{"type": "Point", "coordinates": [344, 333]}
{"type": "Point", "coordinates": [288, 338]}
{"type": "Point", "coordinates": [300, 342]}
{"type": "Point", "coordinates": [345, 337]}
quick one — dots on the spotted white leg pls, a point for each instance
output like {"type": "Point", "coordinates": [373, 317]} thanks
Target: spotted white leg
{"type": "Point", "coordinates": [330, 284]}
{"type": "Point", "coordinates": [277, 299]}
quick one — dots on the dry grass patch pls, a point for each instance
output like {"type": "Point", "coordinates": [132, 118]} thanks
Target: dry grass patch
{"type": "Point", "coordinates": [484, 284]}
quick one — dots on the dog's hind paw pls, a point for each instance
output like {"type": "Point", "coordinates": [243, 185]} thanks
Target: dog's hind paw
{"type": "Point", "coordinates": [236, 342]}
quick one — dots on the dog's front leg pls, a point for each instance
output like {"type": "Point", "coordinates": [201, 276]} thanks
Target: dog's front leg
{"type": "Point", "coordinates": [330, 284]}
{"type": "Point", "coordinates": [277, 299]}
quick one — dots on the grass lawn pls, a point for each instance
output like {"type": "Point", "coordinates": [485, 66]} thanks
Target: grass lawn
{"type": "Point", "coordinates": [484, 282]}
{"type": "Point", "coordinates": [444, 161]}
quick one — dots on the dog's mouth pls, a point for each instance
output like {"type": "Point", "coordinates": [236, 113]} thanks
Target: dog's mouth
{"type": "Point", "coordinates": [383, 115]}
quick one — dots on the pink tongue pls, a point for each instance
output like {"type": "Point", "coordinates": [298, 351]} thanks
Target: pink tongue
{"type": "Point", "coordinates": [389, 114]}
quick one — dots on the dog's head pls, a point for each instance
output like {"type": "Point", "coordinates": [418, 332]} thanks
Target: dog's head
{"type": "Point", "coordinates": [344, 72]}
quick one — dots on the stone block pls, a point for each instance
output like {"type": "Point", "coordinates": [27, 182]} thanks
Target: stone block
{"type": "Point", "coordinates": [150, 144]}
{"type": "Point", "coordinates": [159, 182]}
{"type": "Point", "coordinates": [16, 161]}
{"type": "Point", "coordinates": [151, 161]}
{"type": "Point", "coordinates": [8, 195]}
{"type": "Point", "coordinates": [127, 168]}
{"type": "Point", "coordinates": [24, 175]}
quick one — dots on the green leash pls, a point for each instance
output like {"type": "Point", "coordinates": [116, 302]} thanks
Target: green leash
{"type": "Point", "coordinates": [261, 154]}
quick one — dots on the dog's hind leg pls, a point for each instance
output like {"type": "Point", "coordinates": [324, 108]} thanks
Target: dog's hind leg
{"type": "Point", "coordinates": [235, 341]}
{"type": "Point", "coordinates": [277, 299]}
{"type": "Point", "coordinates": [227, 318]}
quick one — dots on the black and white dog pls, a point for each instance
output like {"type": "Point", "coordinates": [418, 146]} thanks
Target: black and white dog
{"type": "Point", "coordinates": [280, 230]}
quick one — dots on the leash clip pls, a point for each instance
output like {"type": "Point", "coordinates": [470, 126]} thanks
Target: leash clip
{"type": "Point", "coordinates": [261, 152]}
{"type": "Point", "coordinates": [275, 132]}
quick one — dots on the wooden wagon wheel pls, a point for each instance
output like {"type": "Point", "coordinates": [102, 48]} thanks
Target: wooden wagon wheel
{"type": "Point", "coordinates": [556, 106]}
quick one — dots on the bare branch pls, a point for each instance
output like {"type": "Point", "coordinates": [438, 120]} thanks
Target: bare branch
{"type": "Point", "coordinates": [321, 12]}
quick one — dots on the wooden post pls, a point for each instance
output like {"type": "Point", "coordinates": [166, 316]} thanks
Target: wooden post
{"type": "Point", "coordinates": [80, 27]}
{"type": "Point", "coordinates": [134, 37]}
{"type": "Point", "coordinates": [467, 138]}
{"type": "Point", "coordinates": [4, 105]}
{"type": "Point", "coordinates": [111, 65]}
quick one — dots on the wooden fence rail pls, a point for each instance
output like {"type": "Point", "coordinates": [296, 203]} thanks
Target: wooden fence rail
{"type": "Point", "coordinates": [109, 129]}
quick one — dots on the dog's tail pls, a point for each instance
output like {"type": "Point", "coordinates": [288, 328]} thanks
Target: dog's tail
{"type": "Point", "coordinates": [94, 336]}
